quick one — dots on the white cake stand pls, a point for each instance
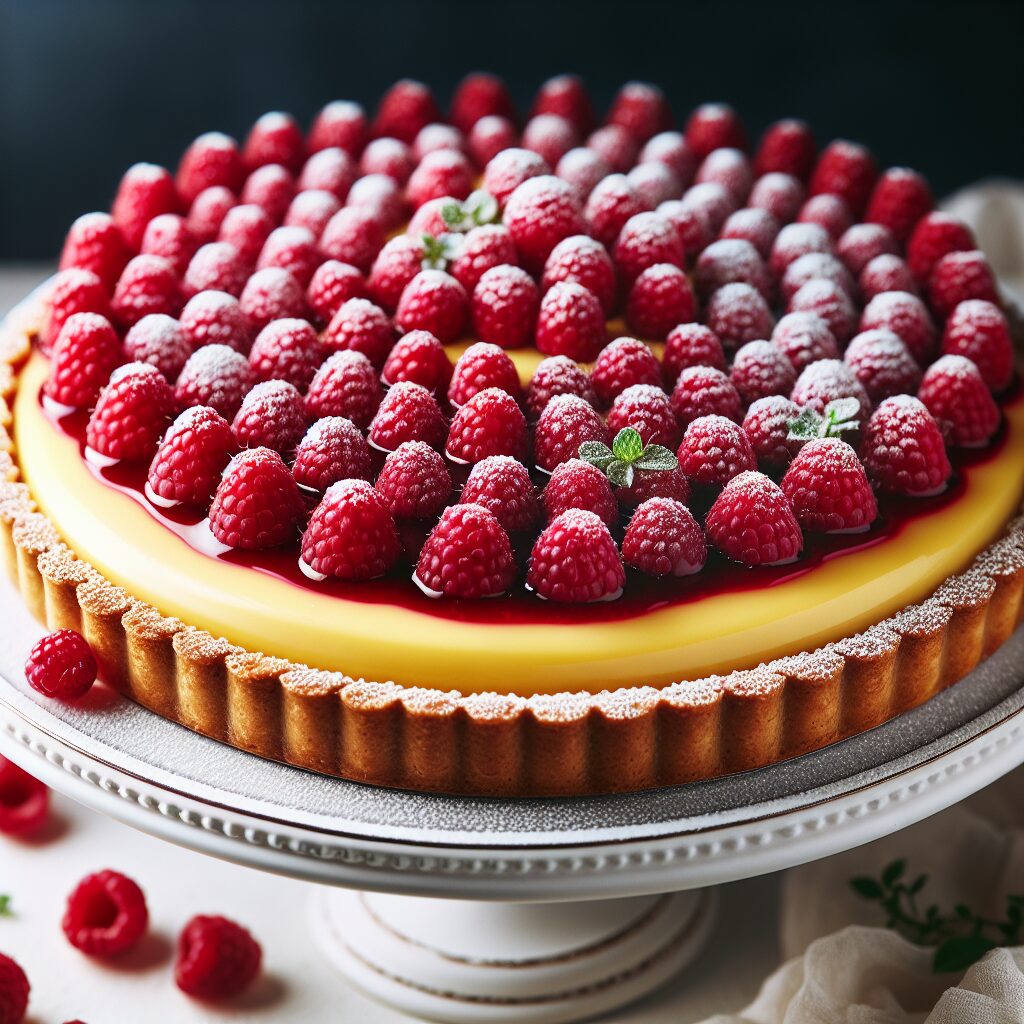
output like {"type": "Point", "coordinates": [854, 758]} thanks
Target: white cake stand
{"type": "Point", "coordinates": [467, 909]}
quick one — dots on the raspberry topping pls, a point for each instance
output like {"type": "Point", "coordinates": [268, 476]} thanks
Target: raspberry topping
{"type": "Point", "coordinates": [74, 291]}
{"type": "Point", "coordinates": [467, 555]}
{"type": "Point", "coordinates": [566, 422]}
{"type": "Point", "coordinates": [408, 413]}
{"type": "Point", "coordinates": [216, 266]}
{"type": "Point", "coordinates": [752, 522]}
{"type": "Point", "coordinates": [936, 235]}
{"type": "Point", "coordinates": [611, 203]}
{"type": "Point", "coordinates": [663, 539]}
{"type": "Point", "coordinates": [737, 313]}
{"type": "Point", "coordinates": [713, 450]}
{"type": "Point", "coordinates": [490, 423]}
{"type": "Point", "coordinates": [131, 413]}
{"type": "Point", "coordinates": [960, 276]}
{"type": "Point", "coordinates": [714, 126]}
{"type": "Point", "coordinates": [345, 385]}
{"type": "Point", "coordinates": [977, 329]}
{"type": "Point", "coordinates": [480, 367]}
{"type": "Point", "coordinates": [705, 391]}
{"type": "Point", "coordinates": [539, 214]}
{"type": "Point", "coordinates": [847, 170]}
{"type": "Point", "coordinates": [648, 410]}
{"type": "Point", "coordinates": [94, 243]}
{"type": "Point", "coordinates": [360, 326]}
{"type": "Point", "coordinates": [158, 339]}
{"type": "Point", "coordinates": [804, 338]}
{"type": "Point", "coordinates": [288, 350]}
{"type": "Point", "coordinates": [217, 376]}
{"type": "Point", "coordinates": [503, 486]}
{"type": "Point", "coordinates": [828, 488]}
{"type": "Point", "coordinates": [691, 345]}
{"type": "Point", "coordinates": [767, 425]}
{"type": "Point", "coordinates": [332, 449]}
{"type": "Point", "coordinates": [646, 239]}
{"type": "Point", "coordinates": [414, 482]}
{"type": "Point", "coordinates": [106, 915]}
{"type": "Point", "coordinates": [760, 369]}
{"type": "Point", "coordinates": [661, 298]}
{"type": "Point", "coordinates": [433, 301]}
{"type": "Point", "coordinates": [505, 306]}
{"type": "Point", "coordinates": [418, 357]}
{"type": "Point", "coordinates": [578, 484]}
{"type": "Point", "coordinates": [85, 353]}
{"type": "Point", "coordinates": [216, 958]}
{"type": "Point", "coordinates": [570, 322]}
{"type": "Point", "coordinates": [192, 455]}
{"type": "Point", "coordinates": [271, 294]}
{"type": "Point", "coordinates": [272, 414]}
{"type": "Point", "coordinates": [903, 450]}
{"type": "Point", "coordinates": [332, 285]}
{"type": "Point", "coordinates": [829, 301]}
{"type": "Point", "coordinates": [900, 199]}
{"type": "Point", "coordinates": [558, 375]}
{"type": "Point", "coordinates": [729, 260]}
{"type": "Point", "coordinates": [575, 561]}
{"type": "Point", "coordinates": [788, 147]}
{"type": "Point", "coordinates": [906, 316]}
{"type": "Point", "coordinates": [828, 380]}
{"type": "Point", "coordinates": [883, 364]}
{"type": "Point", "coordinates": [148, 284]}
{"type": "Point", "coordinates": [955, 393]}
{"type": "Point", "coordinates": [623, 363]}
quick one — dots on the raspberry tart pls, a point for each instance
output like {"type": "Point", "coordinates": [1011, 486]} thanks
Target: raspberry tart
{"type": "Point", "coordinates": [490, 456]}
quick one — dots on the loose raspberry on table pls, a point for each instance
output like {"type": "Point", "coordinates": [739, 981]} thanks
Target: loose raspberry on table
{"type": "Point", "coordinates": [271, 415]}
{"type": "Point", "coordinates": [414, 482]}
{"type": "Point", "coordinates": [287, 349]}
{"type": "Point", "coordinates": [483, 366]}
{"type": "Point", "coordinates": [191, 458]}
{"type": "Point", "coordinates": [906, 316]}
{"type": "Point", "coordinates": [148, 284]}
{"type": "Point", "coordinates": [564, 424]}
{"type": "Point", "coordinates": [883, 364]}
{"type": "Point", "coordinates": [361, 326]}
{"type": "Point", "coordinates": [621, 364]}
{"type": "Point", "coordinates": [979, 330]}
{"type": "Point", "coordinates": [663, 539]}
{"type": "Point", "coordinates": [106, 915]}
{"type": "Point", "coordinates": [828, 380]}
{"type": "Point", "coordinates": [332, 285]}
{"type": "Point", "coordinates": [216, 958]}
{"type": "Point", "coordinates": [503, 486]}
{"type": "Point", "coordinates": [558, 375]}
{"type": "Point", "coordinates": [217, 376]}
{"type": "Point", "coordinates": [332, 449]}
{"type": "Point", "coordinates": [84, 355]}
{"type": "Point", "coordinates": [570, 322]}
{"type": "Point", "coordinates": [713, 450]}
{"type": "Point", "coordinates": [24, 805]}
{"type": "Point", "coordinates": [648, 410]}
{"type": "Point", "coordinates": [271, 294]}
{"type": "Point", "coordinates": [418, 357]}
{"type": "Point", "coordinates": [705, 391]}
{"type": "Point", "coordinates": [575, 561]}
{"type": "Point", "coordinates": [767, 425]}
{"type": "Point", "coordinates": [955, 393]}
{"type": "Point", "coordinates": [738, 313]}
{"type": "Point", "coordinates": [752, 522]}
{"type": "Point", "coordinates": [690, 345]}
{"type": "Point", "coordinates": [578, 484]}
{"type": "Point", "coordinates": [960, 276]}
{"type": "Point", "coordinates": [408, 412]}
{"type": "Point", "coordinates": [936, 235]}
{"type": "Point", "coordinates": [787, 147]}
{"type": "Point", "coordinates": [829, 489]}
{"type": "Point", "coordinates": [903, 450]}
{"type": "Point", "coordinates": [760, 369]}
{"type": "Point", "coordinates": [433, 301]}
{"type": "Point", "coordinates": [490, 423]}
{"type": "Point", "coordinates": [131, 413]}
{"type": "Point", "coordinates": [345, 385]}
{"type": "Point", "coordinates": [504, 307]}
{"type": "Point", "coordinates": [661, 298]}
{"type": "Point", "coordinates": [61, 665]}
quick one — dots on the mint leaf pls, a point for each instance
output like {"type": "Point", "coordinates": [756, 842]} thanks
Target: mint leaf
{"type": "Point", "coordinates": [805, 427]}
{"type": "Point", "coordinates": [453, 216]}
{"type": "Point", "coordinates": [597, 454]}
{"type": "Point", "coordinates": [842, 409]}
{"type": "Point", "coordinates": [628, 445]}
{"type": "Point", "coordinates": [657, 457]}
{"type": "Point", "coordinates": [436, 252]}
{"type": "Point", "coordinates": [5, 906]}
{"type": "Point", "coordinates": [620, 474]}
{"type": "Point", "coordinates": [481, 207]}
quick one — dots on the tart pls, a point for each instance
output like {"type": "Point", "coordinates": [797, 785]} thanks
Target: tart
{"type": "Point", "coordinates": [433, 455]}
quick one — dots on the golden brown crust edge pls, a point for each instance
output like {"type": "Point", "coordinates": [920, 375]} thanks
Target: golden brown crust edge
{"type": "Point", "coordinates": [490, 744]}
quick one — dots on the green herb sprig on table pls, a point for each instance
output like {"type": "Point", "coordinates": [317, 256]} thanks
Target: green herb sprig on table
{"type": "Point", "coordinates": [960, 938]}
{"type": "Point", "coordinates": [5, 906]}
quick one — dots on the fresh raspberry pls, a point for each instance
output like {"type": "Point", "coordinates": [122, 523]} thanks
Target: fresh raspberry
{"type": "Point", "coordinates": [729, 168]}
{"type": "Point", "coordinates": [479, 95]}
{"type": "Point", "coordinates": [787, 147]}
{"type": "Point", "coordinates": [663, 539]}
{"type": "Point", "coordinates": [332, 285]}
{"type": "Point", "coordinates": [292, 248]}
{"type": "Point", "coordinates": [693, 223]}
{"type": "Point", "coordinates": [401, 259]}
{"type": "Point", "coordinates": [483, 366]}
{"type": "Point", "coordinates": [549, 136]}
{"type": "Point", "coordinates": [85, 353]}
{"type": "Point", "coordinates": [312, 209]}
{"type": "Point", "coordinates": [757, 227]}
{"type": "Point", "coordinates": [829, 301]}
{"type": "Point", "coordinates": [216, 266]}
{"type": "Point", "coordinates": [738, 313]}
{"type": "Point", "coordinates": [404, 109]}
{"type": "Point", "coordinates": [626, 361]}
{"type": "Point", "coordinates": [583, 169]}
{"type": "Point", "coordinates": [905, 315]}
{"type": "Point", "coordinates": [611, 203]}
{"type": "Point", "coordinates": [332, 449]}
{"type": "Point", "coordinates": [211, 160]}
{"type": "Point", "coordinates": [804, 338]}
{"type": "Point", "coordinates": [691, 345]}
{"type": "Point", "coordinates": [61, 665]}
{"type": "Point", "coordinates": [419, 357]}
{"type": "Point", "coordinates": [106, 915]}
{"type": "Point", "coordinates": [585, 261]}
{"type": "Point", "coordinates": [388, 156]}
{"type": "Point", "coordinates": [558, 375]}
{"type": "Point", "coordinates": [258, 504]}
{"type": "Point", "coordinates": [955, 393]}
{"type": "Point", "coordinates": [645, 240]}
{"type": "Point", "coordinates": [539, 214]}
{"type": "Point", "coordinates": [654, 483]}
{"type": "Point", "coordinates": [144, 192]}
{"type": "Point", "coordinates": [502, 485]}
{"type": "Point", "coordinates": [882, 363]}
{"type": "Point", "coordinates": [272, 415]}
{"type": "Point", "coordinates": [671, 149]}
{"type": "Point", "coordinates": [812, 266]}
{"type": "Point", "coordinates": [713, 199]}
{"type": "Point", "coordinates": [564, 424]}
{"type": "Point", "coordinates": [714, 449]}
{"type": "Point", "coordinates": [661, 298]}
{"type": "Point", "coordinates": [271, 294]}
{"type": "Point", "coordinates": [408, 412]}
{"type": "Point", "coordinates": [577, 484]}
{"type": "Point", "coordinates": [169, 236]}
{"type": "Point", "coordinates": [14, 991]}
{"type": "Point", "coordinates": [482, 249]}
{"type": "Point", "coordinates": [960, 276]}
{"type": "Point", "coordinates": [340, 123]}
{"type": "Point", "coordinates": [131, 413]}
{"type": "Point", "coordinates": [505, 305]}
{"type": "Point", "coordinates": [936, 235]}
{"type": "Point", "coordinates": [433, 301]}
{"type": "Point", "coordinates": [767, 425]}
{"type": "Point", "coordinates": [345, 385]}
{"type": "Point", "coordinates": [24, 811]}
{"type": "Point", "coordinates": [160, 340]}
{"type": "Point", "coordinates": [827, 211]}
{"type": "Point", "coordinates": [215, 318]}
{"type": "Point", "coordinates": [575, 561]}
{"type": "Point", "coordinates": [217, 376]}
{"type": "Point", "coordinates": [94, 242]}
{"type": "Point", "coordinates": [467, 555]}
{"type": "Point", "coordinates": [647, 409]}
{"type": "Point", "coordinates": [885, 273]}
{"type": "Point", "coordinates": [381, 196]}
{"type": "Point", "coordinates": [433, 138]}
{"type": "Point", "coordinates": [570, 322]}
{"type": "Point", "coordinates": [246, 227]}
{"type": "Point", "coordinates": [730, 260]}
{"type": "Point", "coordinates": [901, 197]}
{"type": "Point", "coordinates": [567, 96]}
{"type": "Point", "coordinates": [288, 350]}
{"type": "Point", "coordinates": [714, 126]}
{"type": "Point", "coordinates": [760, 369]}
{"type": "Point", "coordinates": [415, 482]}
{"type": "Point", "coordinates": [847, 170]}
{"type": "Point", "coordinates": [508, 170]}
{"type": "Point", "coordinates": [489, 136]}
{"type": "Point", "coordinates": [442, 173]}
{"type": "Point", "coordinates": [490, 423]}
{"type": "Point", "coordinates": [353, 236]}
{"type": "Point", "coordinates": [979, 330]}
{"type": "Point", "coordinates": [796, 240]}
{"type": "Point", "coordinates": [333, 170]}
{"type": "Point", "coordinates": [903, 450]}
{"type": "Point", "coordinates": [272, 188]}
{"type": "Point", "coordinates": [828, 380]}
{"type": "Point", "coordinates": [860, 244]}
{"type": "Point", "coordinates": [704, 391]}
{"type": "Point", "coordinates": [752, 522]}
{"type": "Point", "coordinates": [640, 108]}
{"type": "Point", "coordinates": [192, 455]}
{"type": "Point", "coordinates": [216, 958]}
{"type": "Point", "coordinates": [148, 284]}
{"type": "Point", "coordinates": [430, 219]}
{"type": "Point", "coordinates": [655, 183]}
{"type": "Point", "coordinates": [828, 488]}
{"type": "Point", "coordinates": [615, 146]}
{"type": "Point", "coordinates": [207, 213]}
{"type": "Point", "coordinates": [275, 138]}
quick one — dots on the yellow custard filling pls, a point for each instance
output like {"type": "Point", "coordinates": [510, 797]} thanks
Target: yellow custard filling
{"type": "Point", "coordinates": [716, 633]}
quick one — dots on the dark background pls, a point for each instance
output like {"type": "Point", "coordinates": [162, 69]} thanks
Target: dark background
{"type": "Point", "coordinates": [89, 86]}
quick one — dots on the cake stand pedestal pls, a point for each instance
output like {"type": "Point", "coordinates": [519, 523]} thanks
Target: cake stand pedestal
{"type": "Point", "coordinates": [564, 913]}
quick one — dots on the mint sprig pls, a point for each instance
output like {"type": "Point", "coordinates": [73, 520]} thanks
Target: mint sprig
{"type": "Point", "coordinates": [6, 910]}
{"type": "Point", "coordinates": [627, 454]}
{"type": "Point", "coordinates": [840, 417]}
{"type": "Point", "coordinates": [479, 208]}
{"type": "Point", "coordinates": [438, 250]}
{"type": "Point", "coordinates": [960, 938]}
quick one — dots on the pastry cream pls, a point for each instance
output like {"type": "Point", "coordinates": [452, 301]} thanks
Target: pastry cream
{"type": "Point", "coordinates": [722, 631]}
